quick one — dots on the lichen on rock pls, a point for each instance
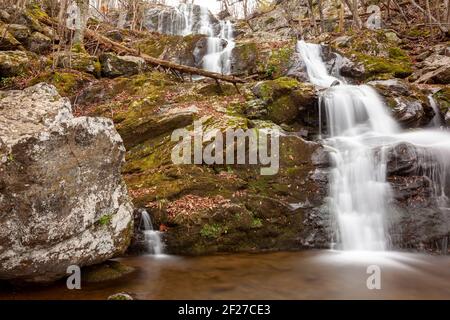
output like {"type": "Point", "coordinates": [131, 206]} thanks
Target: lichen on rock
{"type": "Point", "coordinates": [60, 177]}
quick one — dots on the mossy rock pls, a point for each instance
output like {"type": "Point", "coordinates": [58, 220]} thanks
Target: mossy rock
{"type": "Point", "coordinates": [378, 52]}
{"type": "Point", "coordinates": [278, 62]}
{"type": "Point", "coordinates": [13, 63]}
{"type": "Point", "coordinates": [284, 98]}
{"type": "Point", "coordinates": [442, 98]}
{"type": "Point", "coordinates": [78, 61]}
{"type": "Point", "coordinates": [107, 271]}
{"type": "Point", "coordinates": [7, 40]}
{"type": "Point", "coordinates": [67, 82]}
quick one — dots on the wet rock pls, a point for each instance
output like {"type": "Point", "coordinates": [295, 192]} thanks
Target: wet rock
{"type": "Point", "coordinates": [408, 104]}
{"type": "Point", "coordinates": [39, 43]}
{"type": "Point", "coordinates": [442, 98]}
{"type": "Point", "coordinates": [106, 271]}
{"type": "Point", "coordinates": [114, 66]}
{"type": "Point", "coordinates": [78, 61]}
{"type": "Point", "coordinates": [62, 198]}
{"type": "Point", "coordinates": [12, 63]}
{"type": "Point", "coordinates": [120, 296]}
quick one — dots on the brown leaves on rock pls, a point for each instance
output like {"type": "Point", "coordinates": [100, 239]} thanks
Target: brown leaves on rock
{"type": "Point", "coordinates": [191, 204]}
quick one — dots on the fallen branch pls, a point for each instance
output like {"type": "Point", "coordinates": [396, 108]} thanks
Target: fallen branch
{"type": "Point", "coordinates": [120, 49]}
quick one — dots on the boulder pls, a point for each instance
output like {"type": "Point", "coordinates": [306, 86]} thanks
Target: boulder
{"type": "Point", "coordinates": [442, 97]}
{"type": "Point", "coordinates": [39, 43]}
{"type": "Point", "coordinates": [435, 70]}
{"type": "Point", "coordinates": [12, 63]}
{"type": "Point", "coordinates": [287, 100]}
{"type": "Point", "coordinates": [62, 198]}
{"type": "Point", "coordinates": [78, 61]}
{"type": "Point", "coordinates": [408, 104]}
{"type": "Point", "coordinates": [419, 217]}
{"type": "Point", "coordinates": [114, 66]}
{"type": "Point", "coordinates": [20, 32]}
{"type": "Point", "coordinates": [244, 59]}
{"type": "Point", "coordinates": [7, 40]}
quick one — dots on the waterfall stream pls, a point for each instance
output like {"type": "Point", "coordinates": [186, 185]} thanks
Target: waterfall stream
{"type": "Point", "coordinates": [152, 238]}
{"type": "Point", "coordinates": [359, 131]}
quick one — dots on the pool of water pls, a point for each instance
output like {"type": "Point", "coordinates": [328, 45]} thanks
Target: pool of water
{"type": "Point", "coordinates": [282, 275]}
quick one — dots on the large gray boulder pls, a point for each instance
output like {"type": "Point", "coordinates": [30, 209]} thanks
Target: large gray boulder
{"type": "Point", "coordinates": [115, 66]}
{"type": "Point", "coordinates": [62, 198]}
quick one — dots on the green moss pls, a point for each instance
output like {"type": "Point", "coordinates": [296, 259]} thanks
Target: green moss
{"type": "Point", "coordinates": [105, 220]}
{"type": "Point", "coordinates": [269, 21]}
{"type": "Point", "coordinates": [67, 83]}
{"type": "Point", "coordinates": [279, 61]}
{"type": "Point", "coordinates": [212, 231]}
{"type": "Point", "coordinates": [379, 67]}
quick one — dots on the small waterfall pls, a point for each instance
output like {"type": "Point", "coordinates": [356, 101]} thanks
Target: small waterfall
{"type": "Point", "coordinates": [358, 124]}
{"type": "Point", "coordinates": [152, 238]}
{"type": "Point", "coordinates": [219, 48]}
{"type": "Point", "coordinates": [436, 122]}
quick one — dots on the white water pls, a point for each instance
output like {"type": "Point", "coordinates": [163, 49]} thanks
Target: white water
{"type": "Point", "coordinates": [219, 47]}
{"type": "Point", "coordinates": [357, 123]}
{"type": "Point", "coordinates": [220, 43]}
{"type": "Point", "coordinates": [437, 120]}
{"type": "Point", "coordinates": [152, 238]}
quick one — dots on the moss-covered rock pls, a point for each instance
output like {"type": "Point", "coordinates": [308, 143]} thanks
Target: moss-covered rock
{"type": "Point", "coordinates": [7, 40]}
{"type": "Point", "coordinates": [38, 43]}
{"type": "Point", "coordinates": [78, 61]}
{"type": "Point", "coordinates": [115, 66]}
{"type": "Point", "coordinates": [378, 54]}
{"type": "Point", "coordinates": [20, 32]}
{"type": "Point", "coordinates": [285, 98]}
{"type": "Point", "coordinates": [107, 271]}
{"type": "Point", "coordinates": [442, 97]}
{"type": "Point", "coordinates": [13, 63]}
{"type": "Point", "coordinates": [67, 82]}
{"type": "Point", "coordinates": [244, 59]}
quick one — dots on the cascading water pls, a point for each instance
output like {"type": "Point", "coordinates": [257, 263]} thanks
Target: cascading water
{"type": "Point", "coordinates": [219, 48]}
{"type": "Point", "coordinates": [187, 19]}
{"type": "Point", "coordinates": [359, 131]}
{"type": "Point", "coordinates": [152, 238]}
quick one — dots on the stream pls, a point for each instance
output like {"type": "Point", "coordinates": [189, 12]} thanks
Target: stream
{"type": "Point", "coordinates": [316, 274]}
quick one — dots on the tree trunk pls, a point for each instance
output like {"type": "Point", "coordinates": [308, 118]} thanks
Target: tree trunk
{"type": "Point", "coordinates": [78, 38]}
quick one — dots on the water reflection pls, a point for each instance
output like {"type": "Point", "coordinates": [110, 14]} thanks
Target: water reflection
{"type": "Point", "coordinates": [283, 275]}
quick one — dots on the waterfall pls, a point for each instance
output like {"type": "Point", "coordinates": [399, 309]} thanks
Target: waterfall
{"type": "Point", "coordinates": [219, 48]}
{"type": "Point", "coordinates": [436, 122]}
{"type": "Point", "coordinates": [358, 124]}
{"type": "Point", "coordinates": [152, 238]}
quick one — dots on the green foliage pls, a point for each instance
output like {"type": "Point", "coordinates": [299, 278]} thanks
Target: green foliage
{"type": "Point", "coordinates": [105, 220]}
{"type": "Point", "coordinates": [212, 230]}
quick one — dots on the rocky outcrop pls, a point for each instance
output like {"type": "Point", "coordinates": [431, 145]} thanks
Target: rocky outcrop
{"type": "Point", "coordinates": [62, 198]}
{"type": "Point", "coordinates": [12, 63]}
{"type": "Point", "coordinates": [435, 69]}
{"type": "Point", "coordinates": [115, 66]}
{"type": "Point", "coordinates": [78, 61]}
{"type": "Point", "coordinates": [442, 98]}
{"type": "Point", "coordinates": [7, 40]}
{"type": "Point", "coordinates": [286, 101]}
{"type": "Point", "coordinates": [421, 215]}
{"type": "Point", "coordinates": [39, 43]}
{"type": "Point", "coordinates": [408, 104]}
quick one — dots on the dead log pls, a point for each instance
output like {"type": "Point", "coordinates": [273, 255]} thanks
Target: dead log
{"type": "Point", "coordinates": [120, 49]}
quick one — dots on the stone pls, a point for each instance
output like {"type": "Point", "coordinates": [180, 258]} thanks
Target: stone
{"type": "Point", "coordinates": [286, 99]}
{"type": "Point", "coordinates": [20, 32]}
{"type": "Point", "coordinates": [120, 296]}
{"type": "Point", "coordinates": [78, 61]}
{"type": "Point", "coordinates": [115, 66]}
{"type": "Point", "coordinates": [407, 103]}
{"type": "Point", "coordinates": [39, 43]}
{"type": "Point", "coordinates": [106, 271]}
{"type": "Point", "coordinates": [62, 198]}
{"type": "Point", "coordinates": [7, 40]}
{"type": "Point", "coordinates": [12, 63]}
